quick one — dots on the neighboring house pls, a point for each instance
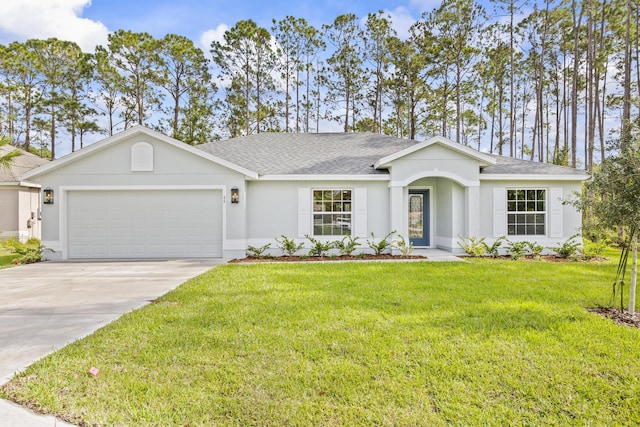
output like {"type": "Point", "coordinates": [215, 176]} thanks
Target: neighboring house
{"type": "Point", "coordinates": [19, 200]}
{"type": "Point", "coordinates": [141, 194]}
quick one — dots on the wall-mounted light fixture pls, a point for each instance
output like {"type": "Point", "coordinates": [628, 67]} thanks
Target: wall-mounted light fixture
{"type": "Point", "coordinates": [235, 195]}
{"type": "Point", "coordinates": [47, 196]}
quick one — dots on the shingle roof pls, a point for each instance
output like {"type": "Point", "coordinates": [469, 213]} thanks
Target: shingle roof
{"type": "Point", "coordinates": [19, 165]}
{"type": "Point", "coordinates": [510, 166]}
{"type": "Point", "coordinates": [308, 153]}
{"type": "Point", "coordinates": [339, 154]}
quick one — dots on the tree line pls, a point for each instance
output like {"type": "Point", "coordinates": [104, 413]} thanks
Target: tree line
{"type": "Point", "coordinates": [552, 81]}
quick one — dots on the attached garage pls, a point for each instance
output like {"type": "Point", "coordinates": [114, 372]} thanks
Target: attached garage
{"type": "Point", "coordinates": [144, 223]}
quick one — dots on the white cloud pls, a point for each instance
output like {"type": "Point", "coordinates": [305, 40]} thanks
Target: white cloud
{"type": "Point", "coordinates": [41, 19]}
{"type": "Point", "coordinates": [402, 20]}
{"type": "Point", "coordinates": [212, 35]}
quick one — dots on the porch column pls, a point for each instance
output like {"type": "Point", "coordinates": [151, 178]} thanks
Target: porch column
{"type": "Point", "coordinates": [472, 211]}
{"type": "Point", "coordinates": [398, 211]}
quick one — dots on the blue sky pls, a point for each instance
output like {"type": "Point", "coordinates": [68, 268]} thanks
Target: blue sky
{"type": "Point", "coordinates": [88, 22]}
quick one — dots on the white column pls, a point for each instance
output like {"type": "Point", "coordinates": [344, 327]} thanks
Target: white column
{"type": "Point", "coordinates": [398, 211]}
{"type": "Point", "coordinates": [472, 211]}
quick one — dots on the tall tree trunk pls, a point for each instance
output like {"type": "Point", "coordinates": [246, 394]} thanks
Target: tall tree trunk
{"type": "Point", "coordinates": [577, 22]}
{"type": "Point", "coordinates": [634, 273]}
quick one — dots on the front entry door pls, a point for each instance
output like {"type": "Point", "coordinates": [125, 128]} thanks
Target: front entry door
{"type": "Point", "coordinates": [419, 217]}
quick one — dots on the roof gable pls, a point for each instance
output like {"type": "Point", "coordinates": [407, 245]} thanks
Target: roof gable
{"type": "Point", "coordinates": [482, 158]}
{"type": "Point", "coordinates": [125, 135]}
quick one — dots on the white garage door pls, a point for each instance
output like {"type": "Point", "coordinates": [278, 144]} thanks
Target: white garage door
{"type": "Point", "coordinates": [144, 224]}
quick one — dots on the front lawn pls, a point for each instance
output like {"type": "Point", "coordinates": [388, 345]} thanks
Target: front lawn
{"type": "Point", "coordinates": [6, 258]}
{"type": "Point", "coordinates": [480, 343]}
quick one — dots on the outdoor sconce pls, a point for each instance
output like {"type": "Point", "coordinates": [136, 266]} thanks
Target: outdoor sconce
{"type": "Point", "coordinates": [48, 196]}
{"type": "Point", "coordinates": [235, 195]}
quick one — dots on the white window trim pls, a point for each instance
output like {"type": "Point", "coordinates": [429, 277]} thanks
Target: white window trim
{"type": "Point", "coordinates": [546, 212]}
{"type": "Point", "coordinates": [351, 213]}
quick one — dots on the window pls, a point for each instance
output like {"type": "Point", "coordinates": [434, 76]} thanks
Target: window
{"type": "Point", "coordinates": [331, 212]}
{"type": "Point", "coordinates": [526, 212]}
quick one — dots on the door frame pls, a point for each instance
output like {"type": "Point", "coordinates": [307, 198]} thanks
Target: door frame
{"type": "Point", "coordinates": [428, 221]}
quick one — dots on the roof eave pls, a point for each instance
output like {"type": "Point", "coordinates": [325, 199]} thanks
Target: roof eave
{"type": "Point", "coordinates": [322, 177]}
{"type": "Point", "coordinates": [532, 177]}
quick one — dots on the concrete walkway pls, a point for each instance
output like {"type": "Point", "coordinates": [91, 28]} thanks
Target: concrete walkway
{"type": "Point", "coordinates": [45, 306]}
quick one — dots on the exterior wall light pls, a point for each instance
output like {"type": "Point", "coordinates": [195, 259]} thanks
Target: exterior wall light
{"type": "Point", "coordinates": [235, 195]}
{"type": "Point", "coordinates": [47, 196]}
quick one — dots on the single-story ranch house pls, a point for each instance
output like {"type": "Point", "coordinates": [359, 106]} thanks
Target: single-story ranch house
{"type": "Point", "coordinates": [141, 194]}
{"type": "Point", "coordinates": [19, 200]}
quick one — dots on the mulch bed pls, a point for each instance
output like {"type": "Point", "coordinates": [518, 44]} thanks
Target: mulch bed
{"type": "Point", "coordinates": [550, 258]}
{"type": "Point", "coordinates": [618, 316]}
{"type": "Point", "coordinates": [368, 257]}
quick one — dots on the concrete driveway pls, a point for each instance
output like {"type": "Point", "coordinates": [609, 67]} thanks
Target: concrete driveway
{"type": "Point", "coordinates": [47, 305]}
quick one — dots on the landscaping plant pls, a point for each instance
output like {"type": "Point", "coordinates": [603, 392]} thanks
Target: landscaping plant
{"type": "Point", "coordinates": [347, 245]}
{"type": "Point", "coordinates": [404, 246]}
{"type": "Point", "coordinates": [319, 248]}
{"type": "Point", "coordinates": [382, 245]}
{"type": "Point", "coordinates": [288, 246]}
{"type": "Point", "coordinates": [254, 252]}
{"type": "Point", "coordinates": [569, 248]}
{"type": "Point", "coordinates": [474, 246]}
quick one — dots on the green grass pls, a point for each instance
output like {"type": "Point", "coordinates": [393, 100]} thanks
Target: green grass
{"type": "Point", "coordinates": [6, 258]}
{"type": "Point", "coordinates": [481, 343]}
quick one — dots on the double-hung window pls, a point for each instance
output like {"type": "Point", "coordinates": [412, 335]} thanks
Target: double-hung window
{"type": "Point", "coordinates": [526, 212]}
{"type": "Point", "coordinates": [332, 212]}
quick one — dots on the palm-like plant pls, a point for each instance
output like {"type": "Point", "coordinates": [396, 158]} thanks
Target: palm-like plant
{"type": "Point", "coordinates": [7, 158]}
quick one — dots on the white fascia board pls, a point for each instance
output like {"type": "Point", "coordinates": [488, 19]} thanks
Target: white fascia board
{"type": "Point", "coordinates": [19, 184]}
{"type": "Point", "coordinates": [100, 145]}
{"type": "Point", "coordinates": [532, 177]}
{"type": "Point", "coordinates": [484, 159]}
{"type": "Point", "coordinates": [324, 178]}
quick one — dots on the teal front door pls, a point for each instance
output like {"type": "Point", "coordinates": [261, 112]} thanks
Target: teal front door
{"type": "Point", "coordinates": [419, 218]}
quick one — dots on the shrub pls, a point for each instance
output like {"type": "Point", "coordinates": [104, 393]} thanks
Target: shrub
{"type": "Point", "coordinates": [517, 249]}
{"type": "Point", "coordinates": [288, 246]}
{"type": "Point", "coordinates": [404, 246]}
{"type": "Point", "coordinates": [382, 245]}
{"type": "Point", "coordinates": [347, 245]}
{"type": "Point", "coordinates": [493, 249]}
{"type": "Point", "coordinates": [534, 248]}
{"type": "Point", "coordinates": [592, 250]}
{"type": "Point", "coordinates": [253, 252]}
{"type": "Point", "coordinates": [27, 253]}
{"type": "Point", "coordinates": [569, 248]}
{"type": "Point", "coordinates": [318, 247]}
{"type": "Point", "coordinates": [473, 246]}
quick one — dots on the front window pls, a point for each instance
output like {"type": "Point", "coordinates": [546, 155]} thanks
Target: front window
{"type": "Point", "coordinates": [526, 212]}
{"type": "Point", "coordinates": [331, 212]}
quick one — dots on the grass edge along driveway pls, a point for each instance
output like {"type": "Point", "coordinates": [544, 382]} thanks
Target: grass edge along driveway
{"type": "Point", "coordinates": [480, 343]}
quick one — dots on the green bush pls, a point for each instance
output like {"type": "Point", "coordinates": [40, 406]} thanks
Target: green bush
{"type": "Point", "coordinates": [382, 245]}
{"type": "Point", "coordinates": [474, 246]}
{"type": "Point", "coordinates": [493, 250]}
{"type": "Point", "coordinates": [347, 245]}
{"type": "Point", "coordinates": [592, 250]}
{"type": "Point", "coordinates": [253, 252]}
{"type": "Point", "coordinates": [517, 249]}
{"type": "Point", "coordinates": [569, 248]}
{"type": "Point", "coordinates": [288, 246]}
{"type": "Point", "coordinates": [319, 248]}
{"type": "Point", "coordinates": [26, 253]}
{"type": "Point", "coordinates": [404, 246]}
{"type": "Point", "coordinates": [534, 248]}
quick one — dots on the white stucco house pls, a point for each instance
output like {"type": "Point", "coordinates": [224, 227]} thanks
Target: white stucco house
{"type": "Point", "coordinates": [141, 194]}
{"type": "Point", "coordinates": [19, 200]}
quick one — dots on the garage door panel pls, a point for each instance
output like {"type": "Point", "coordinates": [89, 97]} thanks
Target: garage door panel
{"type": "Point", "coordinates": [144, 224]}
